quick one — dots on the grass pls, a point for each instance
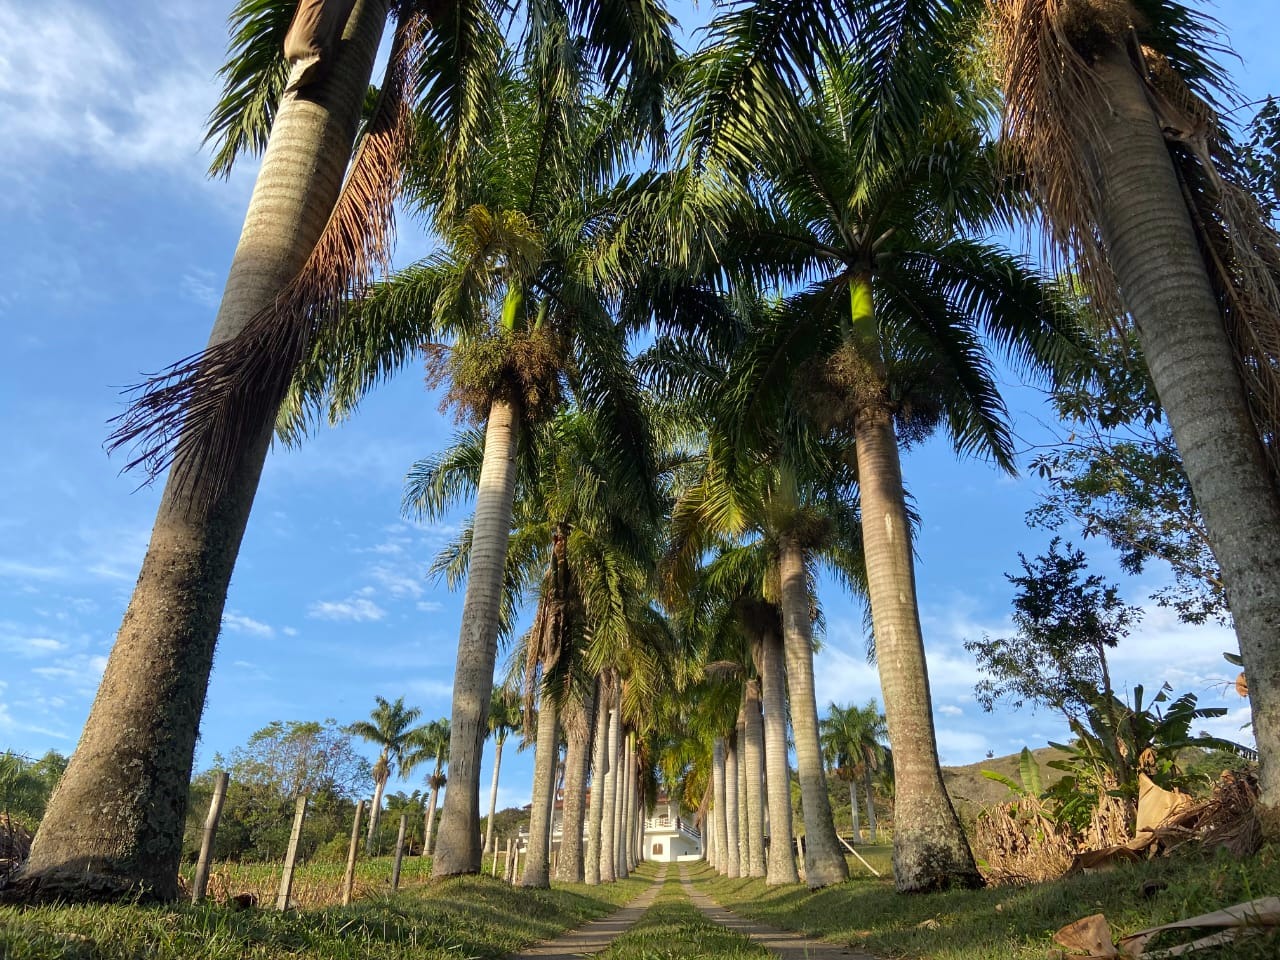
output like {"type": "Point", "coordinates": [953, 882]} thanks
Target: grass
{"type": "Point", "coordinates": [316, 884]}
{"type": "Point", "coordinates": [1008, 923]}
{"type": "Point", "coordinates": [458, 919]}
{"type": "Point", "coordinates": [673, 929]}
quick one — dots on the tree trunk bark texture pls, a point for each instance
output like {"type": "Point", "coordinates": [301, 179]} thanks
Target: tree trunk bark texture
{"type": "Point", "coordinates": [498, 744]}
{"type": "Point", "coordinates": [599, 766]}
{"type": "Point", "coordinates": [929, 848]}
{"type": "Point", "coordinates": [732, 785]}
{"type": "Point", "coordinates": [478, 644]}
{"type": "Point", "coordinates": [781, 865]}
{"type": "Point", "coordinates": [375, 811]}
{"type": "Point", "coordinates": [581, 718]}
{"type": "Point", "coordinates": [113, 827]}
{"type": "Point", "coordinates": [871, 808]}
{"type": "Point", "coordinates": [753, 757]}
{"type": "Point", "coordinates": [824, 862]}
{"type": "Point", "coordinates": [719, 819]}
{"type": "Point", "coordinates": [853, 810]}
{"type": "Point", "coordinates": [537, 872]}
{"type": "Point", "coordinates": [608, 819]}
{"type": "Point", "coordinates": [1153, 250]}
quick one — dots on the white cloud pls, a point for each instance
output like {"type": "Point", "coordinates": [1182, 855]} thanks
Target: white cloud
{"type": "Point", "coordinates": [289, 631]}
{"type": "Point", "coordinates": [950, 710]}
{"type": "Point", "coordinates": [242, 624]}
{"type": "Point", "coordinates": [70, 84]}
{"type": "Point", "coordinates": [357, 608]}
{"type": "Point", "coordinates": [396, 583]}
{"type": "Point", "coordinates": [80, 673]}
{"type": "Point", "coordinates": [430, 606]}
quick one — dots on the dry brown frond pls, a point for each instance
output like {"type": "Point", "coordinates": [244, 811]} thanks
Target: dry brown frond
{"type": "Point", "coordinates": [1019, 843]}
{"type": "Point", "coordinates": [1043, 50]}
{"type": "Point", "coordinates": [199, 413]}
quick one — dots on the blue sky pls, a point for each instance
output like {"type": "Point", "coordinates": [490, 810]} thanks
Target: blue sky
{"type": "Point", "coordinates": [113, 252]}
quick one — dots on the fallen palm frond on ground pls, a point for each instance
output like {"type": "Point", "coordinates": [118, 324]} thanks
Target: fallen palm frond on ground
{"type": "Point", "coordinates": [468, 917]}
{"type": "Point", "coordinates": [1021, 841]}
{"type": "Point", "coordinates": [1091, 937]}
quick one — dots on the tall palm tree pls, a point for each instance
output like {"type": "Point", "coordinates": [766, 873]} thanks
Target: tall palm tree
{"type": "Point", "coordinates": [851, 742]}
{"type": "Point", "coordinates": [1112, 108]}
{"type": "Point", "coordinates": [505, 712]}
{"type": "Point", "coordinates": [887, 338]}
{"type": "Point", "coordinates": [307, 236]}
{"type": "Point", "coordinates": [390, 728]}
{"type": "Point", "coordinates": [430, 744]}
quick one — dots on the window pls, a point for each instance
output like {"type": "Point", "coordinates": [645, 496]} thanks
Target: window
{"type": "Point", "coordinates": [657, 849]}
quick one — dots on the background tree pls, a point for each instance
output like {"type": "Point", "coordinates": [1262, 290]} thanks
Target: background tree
{"type": "Point", "coordinates": [430, 744]}
{"type": "Point", "coordinates": [390, 728]}
{"type": "Point", "coordinates": [852, 742]}
{"type": "Point", "coordinates": [1066, 622]}
{"type": "Point", "coordinates": [1119, 476]}
{"type": "Point", "coordinates": [504, 719]}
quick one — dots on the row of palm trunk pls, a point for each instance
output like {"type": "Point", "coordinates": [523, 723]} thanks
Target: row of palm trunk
{"type": "Point", "coordinates": [602, 750]}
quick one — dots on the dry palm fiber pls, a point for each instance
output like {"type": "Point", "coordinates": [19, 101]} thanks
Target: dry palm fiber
{"type": "Point", "coordinates": [1044, 50]}
{"type": "Point", "coordinates": [316, 25]}
{"type": "Point", "coordinates": [197, 413]}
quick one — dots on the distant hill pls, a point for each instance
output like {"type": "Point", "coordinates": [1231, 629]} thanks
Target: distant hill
{"type": "Point", "coordinates": [970, 790]}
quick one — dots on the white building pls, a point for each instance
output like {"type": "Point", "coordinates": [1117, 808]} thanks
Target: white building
{"type": "Point", "coordinates": [668, 837]}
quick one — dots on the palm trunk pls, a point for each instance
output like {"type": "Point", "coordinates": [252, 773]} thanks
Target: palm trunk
{"type": "Point", "coordinates": [1156, 258]}
{"type": "Point", "coordinates": [753, 754]}
{"type": "Point", "coordinates": [429, 824]}
{"type": "Point", "coordinates": [621, 788]}
{"type": "Point", "coordinates": [599, 766]}
{"type": "Point", "coordinates": [629, 811]}
{"type": "Point", "coordinates": [719, 818]}
{"type": "Point", "coordinates": [546, 756]}
{"type": "Point", "coordinates": [498, 743]}
{"type": "Point", "coordinates": [608, 872]}
{"type": "Point", "coordinates": [733, 860]}
{"type": "Point", "coordinates": [113, 827]}
{"type": "Point", "coordinates": [744, 830]}
{"type": "Point", "coordinates": [375, 811]}
{"type": "Point", "coordinates": [569, 868]}
{"type": "Point", "coordinates": [871, 807]}
{"type": "Point", "coordinates": [478, 644]}
{"type": "Point", "coordinates": [824, 861]}
{"type": "Point", "coordinates": [853, 807]}
{"type": "Point", "coordinates": [781, 865]}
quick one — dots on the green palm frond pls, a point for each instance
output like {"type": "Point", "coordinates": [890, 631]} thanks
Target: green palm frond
{"type": "Point", "coordinates": [253, 80]}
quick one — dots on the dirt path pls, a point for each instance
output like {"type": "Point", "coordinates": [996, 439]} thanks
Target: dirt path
{"type": "Point", "coordinates": [783, 943]}
{"type": "Point", "coordinates": [598, 934]}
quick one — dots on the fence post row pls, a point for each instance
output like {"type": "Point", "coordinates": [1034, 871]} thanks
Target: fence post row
{"type": "Point", "coordinates": [286, 878]}
{"type": "Point", "coordinates": [201, 881]}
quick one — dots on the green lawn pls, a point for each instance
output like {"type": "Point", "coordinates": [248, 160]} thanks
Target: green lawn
{"type": "Point", "coordinates": [673, 929]}
{"type": "Point", "coordinates": [1007, 923]}
{"type": "Point", "coordinates": [460, 919]}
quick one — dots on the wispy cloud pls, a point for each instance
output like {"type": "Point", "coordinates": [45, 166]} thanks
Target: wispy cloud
{"type": "Point", "coordinates": [355, 608]}
{"type": "Point", "coordinates": [243, 624]}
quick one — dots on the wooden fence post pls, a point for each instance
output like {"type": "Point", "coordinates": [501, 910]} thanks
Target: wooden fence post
{"type": "Point", "coordinates": [395, 869]}
{"type": "Point", "coordinates": [349, 879]}
{"type": "Point", "coordinates": [506, 870]}
{"type": "Point", "coordinates": [286, 878]}
{"type": "Point", "coordinates": [201, 881]}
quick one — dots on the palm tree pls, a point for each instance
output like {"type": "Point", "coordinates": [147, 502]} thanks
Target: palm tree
{"type": "Point", "coordinates": [504, 719]}
{"type": "Point", "coordinates": [307, 236]}
{"type": "Point", "coordinates": [388, 727]}
{"type": "Point", "coordinates": [430, 743]}
{"type": "Point", "coordinates": [851, 743]}
{"type": "Point", "coordinates": [886, 338]}
{"type": "Point", "coordinates": [1111, 107]}
{"type": "Point", "coordinates": [310, 236]}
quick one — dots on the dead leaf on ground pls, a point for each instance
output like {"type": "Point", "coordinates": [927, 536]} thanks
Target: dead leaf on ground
{"type": "Point", "coordinates": [1089, 937]}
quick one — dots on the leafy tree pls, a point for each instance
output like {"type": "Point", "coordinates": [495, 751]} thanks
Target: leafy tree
{"type": "Point", "coordinates": [1119, 476]}
{"type": "Point", "coordinates": [1066, 622]}
{"type": "Point", "coordinates": [1260, 157]}
{"type": "Point", "coordinates": [430, 743]}
{"type": "Point", "coordinates": [504, 719]}
{"type": "Point", "coordinates": [298, 756]}
{"type": "Point", "coordinates": [389, 727]}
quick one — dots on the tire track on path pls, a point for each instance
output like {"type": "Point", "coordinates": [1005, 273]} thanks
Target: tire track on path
{"type": "Point", "coordinates": [596, 935]}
